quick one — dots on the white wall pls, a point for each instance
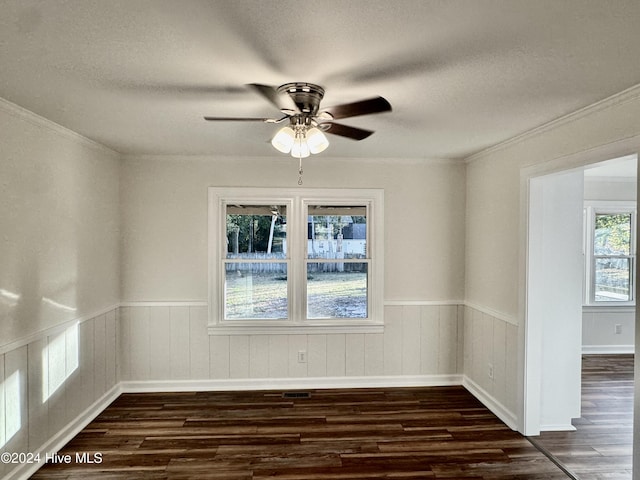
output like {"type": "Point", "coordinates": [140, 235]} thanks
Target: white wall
{"type": "Point", "coordinates": [164, 219]}
{"type": "Point", "coordinates": [493, 191]}
{"type": "Point", "coordinates": [494, 216]}
{"type": "Point", "coordinates": [59, 281]}
{"type": "Point", "coordinates": [164, 222]}
{"type": "Point", "coordinates": [59, 224]}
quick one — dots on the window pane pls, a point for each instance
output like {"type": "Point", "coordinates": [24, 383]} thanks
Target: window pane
{"type": "Point", "coordinates": [612, 278]}
{"type": "Point", "coordinates": [336, 290]}
{"type": "Point", "coordinates": [255, 290]}
{"type": "Point", "coordinates": [612, 234]}
{"type": "Point", "coordinates": [337, 232]}
{"type": "Point", "coordinates": [256, 231]}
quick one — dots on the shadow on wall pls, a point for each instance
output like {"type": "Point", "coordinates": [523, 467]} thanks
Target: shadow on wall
{"type": "Point", "coordinates": [60, 358]}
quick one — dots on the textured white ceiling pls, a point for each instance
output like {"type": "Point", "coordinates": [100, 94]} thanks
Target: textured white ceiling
{"type": "Point", "coordinates": [139, 75]}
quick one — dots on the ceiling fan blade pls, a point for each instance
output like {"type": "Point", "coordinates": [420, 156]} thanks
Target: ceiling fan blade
{"type": "Point", "coordinates": [346, 131]}
{"type": "Point", "coordinates": [243, 119]}
{"type": "Point", "coordinates": [363, 107]}
{"type": "Point", "coordinates": [281, 100]}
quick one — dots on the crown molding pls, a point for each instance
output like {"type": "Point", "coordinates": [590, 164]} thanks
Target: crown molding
{"type": "Point", "coordinates": [628, 95]}
{"type": "Point", "coordinates": [41, 122]}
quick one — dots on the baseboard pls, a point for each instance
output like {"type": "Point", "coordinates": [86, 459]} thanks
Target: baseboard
{"type": "Point", "coordinates": [558, 428]}
{"type": "Point", "coordinates": [608, 349]}
{"type": "Point", "coordinates": [290, 383]}
{"type": "Point", "coordinates": [60, 439]}
{"type": "Point", "coordinates": [499, 410]}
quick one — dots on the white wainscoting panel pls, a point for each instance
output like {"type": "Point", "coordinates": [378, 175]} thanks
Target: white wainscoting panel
{"type": "Point", "coordinates": [51, 386]}
{"type": "Point", "coordinates": [608, 330]}
{"type": "Point", "coordinates": [198, 342]}
{"type": "Point", "coordinates": [180, 337]}
{"type": "Point", "coordinates": [336, 355]}
{"type": "Point", "coordinates": [490, 361]}
{"type": "Point", "coordinates": [317, 350]}
{"type": "Point", "coordinates": [170, 343]}
{"type": "Point", "coordinates": [219, 356]}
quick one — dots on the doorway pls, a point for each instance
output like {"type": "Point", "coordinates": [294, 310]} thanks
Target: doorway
{"type": "Point", "coordinates": [554, 298]}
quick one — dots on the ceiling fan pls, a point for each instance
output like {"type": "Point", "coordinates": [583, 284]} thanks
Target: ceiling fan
{"type": "Point", "coordinates": [299, 104]}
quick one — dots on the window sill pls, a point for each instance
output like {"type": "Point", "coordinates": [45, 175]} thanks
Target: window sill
{"type": "Point", "coordinates": [295, 329]}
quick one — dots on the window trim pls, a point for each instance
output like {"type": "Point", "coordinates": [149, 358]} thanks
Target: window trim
{"type": "Point", "coordinates": [613, 207]}
{"type": "Point", "coordinates": [296, 199]}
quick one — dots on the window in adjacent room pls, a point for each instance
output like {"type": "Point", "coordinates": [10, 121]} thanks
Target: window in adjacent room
{"type": "Point", "coordinates": [295, 260]}
{"type": "Point", "coordinates": [610, 259]}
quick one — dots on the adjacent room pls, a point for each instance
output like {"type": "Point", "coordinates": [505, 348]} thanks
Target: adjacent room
{"type": "Point", "coordinates": [277, 239]}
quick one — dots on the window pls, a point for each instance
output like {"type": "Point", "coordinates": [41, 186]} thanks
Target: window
{"type": "Point", "coordinates": [610, 259]}
{"type": "Point", "coordinates": [299, 260]}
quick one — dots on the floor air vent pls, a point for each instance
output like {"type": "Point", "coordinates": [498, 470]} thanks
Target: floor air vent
{"type": "Point", "coordinates": [296, 395]}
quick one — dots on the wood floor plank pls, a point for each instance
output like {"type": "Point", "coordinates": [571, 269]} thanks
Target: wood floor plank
{"type": "Point", "coordinates": [401, 433]}
{"type": "Point", "coordinates": [601, 446]}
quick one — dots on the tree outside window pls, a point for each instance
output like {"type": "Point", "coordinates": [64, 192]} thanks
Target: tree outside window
{"type": "Point", "coordinates": [612, 261]}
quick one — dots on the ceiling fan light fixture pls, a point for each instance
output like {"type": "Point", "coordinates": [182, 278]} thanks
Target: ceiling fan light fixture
{"type": "Point", "coordinates": [284, 140]}
{"type": "Point", "coordinates": [300, 148]}
{"type": "Point", "coordinates": [316, 140]}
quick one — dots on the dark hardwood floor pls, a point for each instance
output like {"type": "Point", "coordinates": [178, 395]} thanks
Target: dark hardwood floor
{"type": "Point", "coordinates": [407, 433]}
{"type": "Point", "coordinates": [601, 446]}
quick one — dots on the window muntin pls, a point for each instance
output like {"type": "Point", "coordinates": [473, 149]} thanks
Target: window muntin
{"type": "Point", "coordinates": [295, 258]}
{"type": "Point", "coordinates": [610, 262]}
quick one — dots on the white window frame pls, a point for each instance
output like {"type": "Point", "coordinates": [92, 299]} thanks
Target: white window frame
{"type": "Point", "coordinates": [296, 200]}
{"type": "Point", "coordinates": [591, 209]}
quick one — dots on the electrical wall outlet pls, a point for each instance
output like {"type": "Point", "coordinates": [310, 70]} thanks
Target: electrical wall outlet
{"type": "Point", "coordinates": [490, 371]}
{"type": "Point", "coordinates": [302, 356]}
{"type": "Point", "coordinates": [618, 329]}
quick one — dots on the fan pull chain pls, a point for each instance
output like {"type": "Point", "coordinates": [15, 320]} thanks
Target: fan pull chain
{"type": "Point", "coordinates": [300, 171]}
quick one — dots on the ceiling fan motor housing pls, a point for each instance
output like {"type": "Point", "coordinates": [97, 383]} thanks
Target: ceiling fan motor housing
{"type": "Point", "coordinates": [306, 96]}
